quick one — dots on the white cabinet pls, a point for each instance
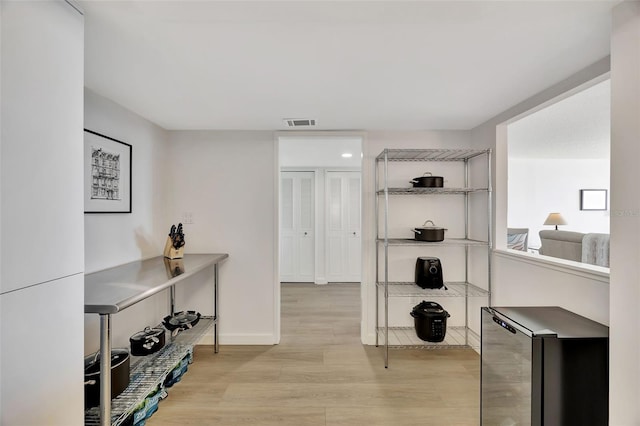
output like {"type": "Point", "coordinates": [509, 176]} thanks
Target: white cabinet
{"type": "Point", "coordinates": [42, 331]}
{"type": "Point", "coordinates": [464, 252]}
{"type": "Point", "coordinates": [343, 226]}
{"type": "Point", "coordinates": [42, 223]}
{"type": "Point", "coordinates": [297, 226]}
{"type": "Point", "coordinates": [41, 163]}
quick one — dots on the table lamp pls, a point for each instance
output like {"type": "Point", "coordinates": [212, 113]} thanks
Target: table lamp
{"type": "Point", "coordinates": [555, 219]}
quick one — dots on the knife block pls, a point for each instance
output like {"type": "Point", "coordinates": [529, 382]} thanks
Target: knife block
{"type": "Point", "coordinates": [172, 253]}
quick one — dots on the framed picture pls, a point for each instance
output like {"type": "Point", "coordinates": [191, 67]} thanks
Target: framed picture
{"type": "Point", "coordinates": [593, 199]}
{"type": "Point", "coordinates": [107, 174]}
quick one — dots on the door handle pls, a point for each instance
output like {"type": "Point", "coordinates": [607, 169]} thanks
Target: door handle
{"type": "Point", "coordinates": [305, 233]}
{"type": "Point", "coordinates": [354, 233]}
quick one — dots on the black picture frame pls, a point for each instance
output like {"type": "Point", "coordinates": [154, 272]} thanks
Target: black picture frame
{"type": "Point", "coordinates": [593, 199]}
{"type": "Point", "coordinates": [107, 174]}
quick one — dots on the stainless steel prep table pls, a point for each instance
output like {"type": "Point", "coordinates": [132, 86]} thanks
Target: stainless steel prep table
{"type": "Point", "coordinates": [112, 290]}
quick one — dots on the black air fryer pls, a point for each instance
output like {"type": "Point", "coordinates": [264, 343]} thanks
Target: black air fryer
{"type": "Point", "coordinates": [430, 321]}
{"type": "Point", "coordinates": [429, 272]}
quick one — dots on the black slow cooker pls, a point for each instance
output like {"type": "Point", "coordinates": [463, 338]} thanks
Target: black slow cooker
{"type": "Point", "coordinates": [430, 320]}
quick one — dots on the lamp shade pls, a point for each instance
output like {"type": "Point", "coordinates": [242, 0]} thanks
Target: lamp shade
{"type": "Point", "coordinates": [555, 219]}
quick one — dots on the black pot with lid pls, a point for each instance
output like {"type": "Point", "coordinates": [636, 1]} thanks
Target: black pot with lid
{"type": "Point", "coordinates": [431, 233]}
{"type": "Point", "coordinates": [148, 341]}
{"type": "Point", "coordinates": [120, 364]}
{"type": "Point", "coordinates": [427, 181]}
{"type": "Point", "coordinates": [183, 320]}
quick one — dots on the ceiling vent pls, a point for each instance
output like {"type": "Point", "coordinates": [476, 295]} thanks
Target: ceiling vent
{"type": "Point", "coordinates": [299, 122]}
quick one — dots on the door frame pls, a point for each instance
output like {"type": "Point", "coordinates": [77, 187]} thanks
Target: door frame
{"type": "Point", "coordinates": [276, 228]}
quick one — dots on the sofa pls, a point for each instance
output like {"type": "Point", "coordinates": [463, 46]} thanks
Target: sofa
{"type": "Point", "coordinates": [591, 248]}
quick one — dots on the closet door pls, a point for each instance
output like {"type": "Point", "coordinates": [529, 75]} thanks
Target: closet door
{"type": "Point", "coordinates": [343, 226]}
{"type": "Point", "coordinates": [297, 227]}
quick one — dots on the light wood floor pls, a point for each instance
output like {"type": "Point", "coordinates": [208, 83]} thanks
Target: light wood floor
{"type": "Point", "coordinates": [321, 374]}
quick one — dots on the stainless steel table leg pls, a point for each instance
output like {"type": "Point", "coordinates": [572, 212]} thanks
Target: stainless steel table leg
{"type": "Point", "coordinates": [105, 369]}
{"type": "Point", "coordinates": [216, 345]}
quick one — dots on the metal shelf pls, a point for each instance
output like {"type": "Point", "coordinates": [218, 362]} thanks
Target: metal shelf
{"type": "Point", "coordinates": [455, 289]}
{"type": "Point", "coordinates": [430, 191]}
{"type": "Point", "coordinates": [430, 154]}
{"type": "Point", "coordinates": [389, 336]}
{"type": "Point", "coordinates": [445, 242]}
{"type": "Point", "coordinates": [112, 290]}
{"type": "Point", "coordinates": [406, 337]}
{"type": "Point", "coordinates": [149, 372]}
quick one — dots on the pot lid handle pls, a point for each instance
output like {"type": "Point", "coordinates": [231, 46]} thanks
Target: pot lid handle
{"type": "Point", "coordinates": [427, 221]}
{"type": "Point", "coordinates": [427, 173]}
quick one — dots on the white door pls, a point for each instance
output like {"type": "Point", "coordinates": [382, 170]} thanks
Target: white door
{"type": "Point", "coordinates": [297, 225]}
{"type": "Point", "coordinates": [343, 226]}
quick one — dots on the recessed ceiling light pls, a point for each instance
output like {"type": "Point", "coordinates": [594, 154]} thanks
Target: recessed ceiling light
{"type": "Point", "coordinates": [347, 155]}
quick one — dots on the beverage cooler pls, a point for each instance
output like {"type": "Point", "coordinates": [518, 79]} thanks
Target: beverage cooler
{"type": "Point", "coordinates": [543, 366]}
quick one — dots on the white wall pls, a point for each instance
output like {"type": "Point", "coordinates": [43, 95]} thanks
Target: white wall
{"type": "Point", "coordinates": [538, 187]}
{"type": "Point", "coordinates": [41, 288]}
{"type": "Point", "coordinates": [625, 224]}
{"type": "Point", "coordinates": [523, 281]}
{"type": "Point", "coordinates": [319, 151]}
{"type": "Point", "coordinates": [117, 238]}
{"type": "Point", "coordinates": [227, 180]}
{"type": "Point", "coordinates": [113, 239]}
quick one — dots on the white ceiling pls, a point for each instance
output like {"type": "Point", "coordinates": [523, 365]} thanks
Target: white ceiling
{"type": "Point", "coordinates": [389, 65]}
{"type": "Point", "coordinates": [320, 151]}
{"type": "Point", "coordinates": [576, 127]}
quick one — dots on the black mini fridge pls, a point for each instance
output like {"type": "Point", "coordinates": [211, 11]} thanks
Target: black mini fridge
{"type": "Point", "coordinates": [543, 366]}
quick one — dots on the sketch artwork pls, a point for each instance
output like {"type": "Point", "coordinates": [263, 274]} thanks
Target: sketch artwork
{"type": "Point", "coordinates": [105, 175]}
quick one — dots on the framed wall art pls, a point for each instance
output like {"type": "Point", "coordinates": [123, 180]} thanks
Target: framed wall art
{"type": "Point", "coordinates": [593, 199]}
{"type": "Point", "coordinates": [107, 174]}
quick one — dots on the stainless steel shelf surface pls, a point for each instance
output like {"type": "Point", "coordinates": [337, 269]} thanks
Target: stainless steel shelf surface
{"type": "Point", "coordinates": [148, 374]}
{"type": "Point", "coordinates": [431, 191]}
{"type": "Point", "coordinates": [406, 337]}
{"type": "Point", "coordinates": [445, 242]}
{"type": "Point", "coordinates": [430, 154]}
{"type": "Point", "coordinates": [114, 289]}
{"type": "Point", "coordinates": [455, 289]}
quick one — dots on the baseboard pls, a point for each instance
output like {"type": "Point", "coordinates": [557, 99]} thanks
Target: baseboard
{"type": "Point", "coordinates": [321, 281]}
{"type": "Point", "coordinates": [369, 339]}
{"type": "Point", "coordinates": [240, 339]}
